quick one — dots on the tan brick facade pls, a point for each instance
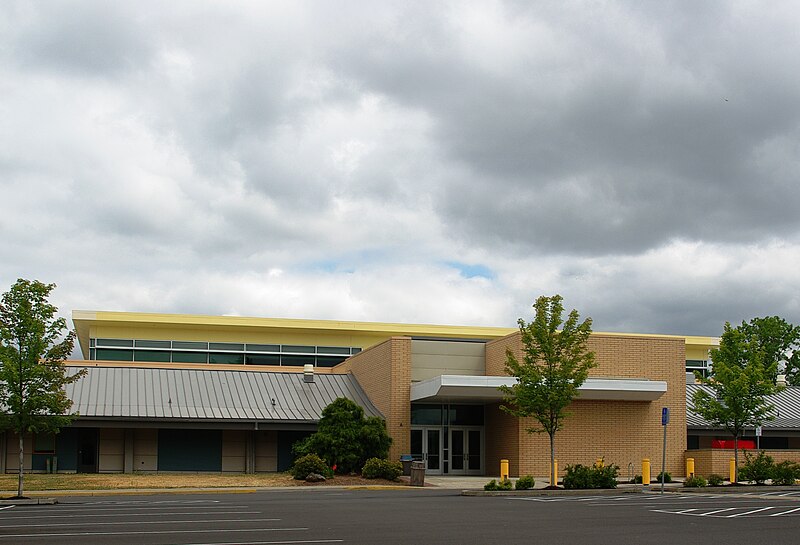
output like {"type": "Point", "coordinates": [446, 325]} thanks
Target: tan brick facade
{"type": "Point", "coordinates": [384, 371]}
{"type": "Point", "coordinates": [708, 461]}
{"type": "Point", "coordinates": [623, 432]}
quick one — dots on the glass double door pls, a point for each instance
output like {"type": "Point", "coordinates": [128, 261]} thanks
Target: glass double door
{"type": "Point", "coordinates": [453, 451]}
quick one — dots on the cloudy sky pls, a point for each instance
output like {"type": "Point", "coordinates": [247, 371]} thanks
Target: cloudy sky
{"type": "Point", "coordinates": [426, 162]}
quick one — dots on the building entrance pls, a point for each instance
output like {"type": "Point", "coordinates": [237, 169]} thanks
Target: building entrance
{"type": "Point", "coordinates": [426, 446]}
{"type": "Point", "coordinates": [448, 438]}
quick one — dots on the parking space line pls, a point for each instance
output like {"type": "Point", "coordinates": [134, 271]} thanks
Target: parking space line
{"type": "Point", "coordinates": [749, 512]}
{"type": "Point", "coordinates": [92, 515]}
{"type": "Point", "coordinates": [157, 532]}
{"type": "Point", "coordinates": [784, 512]}
{"type": "Point", "coordinates": [138, 522]}
{"type": "Point", "coordinates": [718, 511]}
{"type": "Point", "coordinates": [290, 542]}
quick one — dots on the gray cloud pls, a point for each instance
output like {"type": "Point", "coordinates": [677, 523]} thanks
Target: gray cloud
{"type": "Point", "coordinates": [349, 160]}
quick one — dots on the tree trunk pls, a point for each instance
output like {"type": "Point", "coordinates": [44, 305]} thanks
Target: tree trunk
{"type": "Point", "coordinates": [21, 458]}
{"type": "Point", "coordinates": [553, 475]}
{"type": "Point", "coordinates": [736, 458]}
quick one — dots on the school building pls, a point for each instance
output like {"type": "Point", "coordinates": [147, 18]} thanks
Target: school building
{"type": "Point", "coordinates": [168, 392]}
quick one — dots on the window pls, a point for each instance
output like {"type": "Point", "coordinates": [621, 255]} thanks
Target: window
{"type": "Point", "coordinates": [111, 354]}
{"type": "Point", "coordinates": [297, 360]}
{"type": "Point", "coordinates": [234, 347]}
{"type": "Point", "coordinates": [295, 349]}
{"type": "Point", "coordinates": [190, 357]}
{"type": "Point", "coordinates": [127, 343]}
{"type": "Point", "coordinates": [153, 344]}
{"type": "Point", "coordinates": [216, 357]}
{"type": "Point", "coordinates": [262, 359]}
{"type": "Point", "coordinates": [159, 356]}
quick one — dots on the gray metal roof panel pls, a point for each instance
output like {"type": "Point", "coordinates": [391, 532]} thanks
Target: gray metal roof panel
{"type": "Point", "coordinates": [786, 412]}
{"type": "Point", "coordinates": [152, 394]}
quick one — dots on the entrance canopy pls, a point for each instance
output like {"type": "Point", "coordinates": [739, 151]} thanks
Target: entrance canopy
{"type": "Point", "coordinates": [485, 389]}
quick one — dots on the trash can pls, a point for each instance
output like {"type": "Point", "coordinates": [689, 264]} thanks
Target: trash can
{"type": "Point", "coordinates": [406, 460]}
{"type": "Point", "coordinates": [417, 473]}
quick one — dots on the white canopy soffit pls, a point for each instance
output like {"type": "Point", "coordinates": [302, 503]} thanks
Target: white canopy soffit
{"type": "Point", "coordinates": [463, 388]}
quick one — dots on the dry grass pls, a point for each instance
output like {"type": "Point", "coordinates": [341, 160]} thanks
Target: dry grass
{"type": "Point", "coordinates": [119, 481]}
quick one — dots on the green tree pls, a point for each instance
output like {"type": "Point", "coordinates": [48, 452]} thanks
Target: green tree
{"type": "Point", "coordinates": [345, 439]}
{"type": "Point", "coordinates": [33, 346]}
{"type": "Point", "coordinates": [734, 396]}
{"type": "Point", "coordinates": [779, 341]}
{"type": "Point", "coordinates": [554, 365]}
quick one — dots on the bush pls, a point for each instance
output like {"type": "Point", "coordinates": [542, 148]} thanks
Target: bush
{"type": "Point", "coordinates": [583, 477]}
{"type": "Point", "coordinates": [715, 480]}
{"type": "Point", "coordinates": [667, 477]}
{"type": "Point", "coordinates": [377, 468]}
{"type": "Point", "coordinates": [637, 480]}
{"type": "Point", "coordinates": [505, 484]}
{"type": "Point", "coordinates": [757, 468]}
{"type": "Point", "coordinates": [308, 464]}
{"type": "Point", "coordinates": [695, 482]}
{"type": "Point", "coordinates": [345, 439]}
{"type": "Point", "coordinates": [525, 482]}
{"type": "Point", "coordinates": [785, 473]}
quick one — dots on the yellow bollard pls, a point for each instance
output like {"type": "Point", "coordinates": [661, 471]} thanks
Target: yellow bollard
{"type": "Point", "coordinates": [646, 471]}
{"type": "Point", "coordinates": [554, 476]}
{"type": "Point", "coordinates": [690, 467]}
{"type": "Point", "coordinates": [503, 470]}
{"type": "Point", "coordinates": [733, 470]}
{"type": "Point", "coordinates": [599, 463]}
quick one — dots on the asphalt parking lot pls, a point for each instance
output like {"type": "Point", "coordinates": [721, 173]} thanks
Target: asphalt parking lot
{"type": "Point", "coordinates": [403, 517]}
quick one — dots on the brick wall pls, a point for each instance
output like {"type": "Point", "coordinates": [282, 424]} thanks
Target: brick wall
{"type": "Point", "coordinates": [622, 432]}
{"type": "Point", "coordinates": [708, 461]}
{"type": "Point", "coordinates": [384, 372]}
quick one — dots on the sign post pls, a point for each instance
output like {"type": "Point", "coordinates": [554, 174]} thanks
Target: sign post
{"type": "Point", "coordinates": [664, 422]}
{"type": "Point", "coordinates": [758, 437]}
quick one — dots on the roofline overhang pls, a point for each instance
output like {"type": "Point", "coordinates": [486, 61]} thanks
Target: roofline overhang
{"type": "Point", "coordinates": [486, 389]}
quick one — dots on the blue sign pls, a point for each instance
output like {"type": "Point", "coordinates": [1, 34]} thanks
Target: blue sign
{"type": "Point", "coordinates": [664, 416]}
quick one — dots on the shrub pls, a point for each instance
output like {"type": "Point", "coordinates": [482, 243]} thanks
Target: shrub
{"type": "Point", "coordinates": [667, 477]}
{"type": "Point", "coordinates": [715, 480]}
{"type": "Point", "coordinates": [785, 473]}
{"type": "Point", "coordinates": [757, 468]}
{"type": "Point", "coordinates": [505, 484]}
{"type": "Point", "coordinates": [491, 485]}
{"type": "Point", "coordinates": [582, 477]}
{"type": "Point", "coordinates": [525, 482]}
{"type": "Point", "coordinates": [345, 439]}
{"type": "Point", "coordinates": [695, 482]}
{"type": "Point", "coordinates": [310, 463]}
{"type": "Point", "coordinates": [637, 480]}
{"type": "Point", "coordinates": [377, 468]}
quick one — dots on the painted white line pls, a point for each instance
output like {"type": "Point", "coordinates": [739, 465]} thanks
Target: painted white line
{"type": "Point", "coordinates": [718, 511]}
{"type": "Point", "coordinates": [206, 531]}
{"type": "Point", "coordinates": [122, 509]}
{"type": "Point", "coordinates": [686, 511]}
{"type": "Point", "coordinates": [749, 512]}
{"type": "Point", "coordinates": [274, 542]}
{"type": "Point", "coordinates": [784, 512]}
{"type": "Point", "coordinates": [7, 507]}
{"type": "Point", "coordinates": [91, 515]}
{"type": "Point", "coordinates": [147, 502]}
{"type": "Point", "coordinates": [138, 522]}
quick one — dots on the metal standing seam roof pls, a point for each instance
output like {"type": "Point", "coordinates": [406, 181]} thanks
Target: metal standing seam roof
{"type": "Point", "coordinates": [199, 394]}
{"type": "Point", "coordinates": [786, 412]}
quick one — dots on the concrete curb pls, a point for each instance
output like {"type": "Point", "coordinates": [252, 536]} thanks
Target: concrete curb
{"type": "Point", "coordinates": [562, 492]}
{"type": "Point", "coordinates": [30, 501]}
{"type": "Point", "coordinates": [741, 490]}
